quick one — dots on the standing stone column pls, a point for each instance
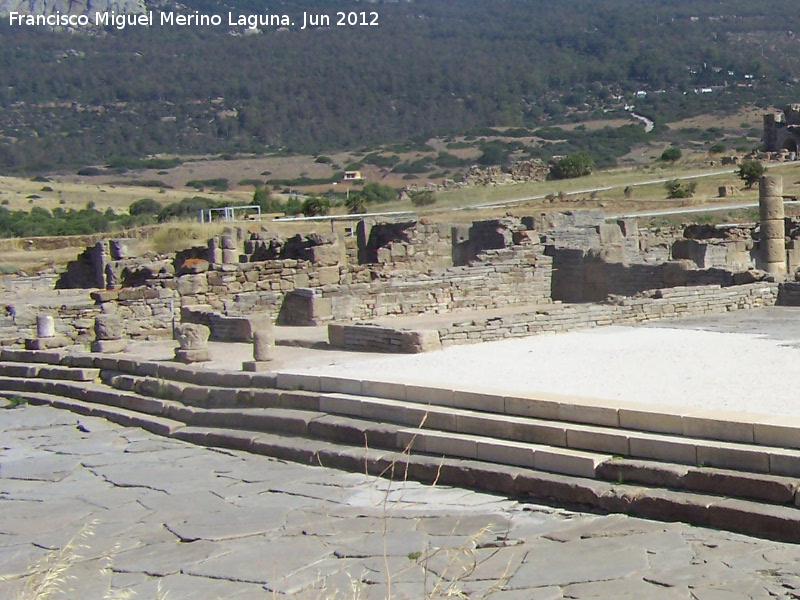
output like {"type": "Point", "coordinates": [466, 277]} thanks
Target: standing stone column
{"type": "Point", "coordinates": [46, 336]}
{"type": "Point", "coordinates": [45, 326]}
{"type": "Point", "coordinates": [263, 345]}
{"type": "Point", "coordinates": [770, 204]}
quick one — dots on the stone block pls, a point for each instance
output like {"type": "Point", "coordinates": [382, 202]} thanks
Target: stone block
{"type": "Point", "coordinates": [450, 444]}
{"type": "Point", "coordinates": [336, 335]}
{"type": "Point", "coordinates": [383, 389]}
{"type": "Point", "coordinates": [46, 343]}
{"type": "Point", "coordinates": [773, 230]}
{"type": "Point", "coordinates": [770, 186]}
{"type": "Point", "coordinates": [610, 233]}
{"type": "Point", "coordinates": [767, 488]}
{"type": "Point", "coordinates": [340, 385]}
{"type": "Point", "coordinates": [728, 456]}
{"type": "Point", "coordinates": [568, 462]}
{"type": "Point", "coordinates": [506, 452]}
{"type": "Point", "coordinates": [328, 275]}
{"type": "Point", "coordinates": [479, 401]}
{"type": "Point", "coordinates": [732, 427]}
{"type": "Point", "coordinates": [101, 296]}
{"type": "Point", "coordinates": [775, 522]}
{"type": "Point", "coordinates": [652, 421]}
{"type": "Point", "coordinates": [663, 448]}
{"type": "Point", "coordinates": [230, 257]}
{"type": "Point", "coordinates": [109, 346]}
{"type": "Point", "coordinates": [641, 472]}
{"type": "Point", "coordinates": [108, 327]}
{"type": "Point", "coordinates": [785, 463]}
{"type": "Point", "coordinates": [771, 209]}
{"type": "Point", "coordinates": [343, 404]}
{"type": "Point", "coordinates": [781, 432]}
{"type": "Point", "coordinates": [255, 366]}
{"type": "Point", "coordinates": [326, 254]}
{"type": "Point", "coordinates": [598, 440]}
{"type": "Point", "coordinates": [589, 414]}
{"type": "Point", "coordinates": [188, 356]}
{"type": "Point", "coordinates": [321, 308]}
{"type": "Point", "coordinates": [191, 336]}
{"type": "Point", "coordinates": [429, 395]}
{"type": "Point", "coordinates": [666, 505]}
{"type": "Point", "coordinates": [297, 381]}
{"type": "Point", "coordinates": [773, 251]}
{"type": "Point", "coordinates": [191, 285]}
{"type": "Point", "coordinates": [531, 407]}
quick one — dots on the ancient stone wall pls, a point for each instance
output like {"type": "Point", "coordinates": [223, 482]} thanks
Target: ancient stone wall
{"type": "Point", "coordinates": [404, 244]}
{"type": "Point", "coordinates": [672, 303]}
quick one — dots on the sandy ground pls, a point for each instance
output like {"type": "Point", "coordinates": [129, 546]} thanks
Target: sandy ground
{"type": "Point", "coordinates": [679, 363]}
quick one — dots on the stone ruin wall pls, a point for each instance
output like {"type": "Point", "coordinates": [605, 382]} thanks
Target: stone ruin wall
{"type": "Point", "coordinates": [397, 268]}
{"type": "Point", "coordinates": [413, 274]}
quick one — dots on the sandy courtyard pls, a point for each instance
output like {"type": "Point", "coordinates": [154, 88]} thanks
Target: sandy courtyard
{"type": "Point", "coordinates": [747, 360]}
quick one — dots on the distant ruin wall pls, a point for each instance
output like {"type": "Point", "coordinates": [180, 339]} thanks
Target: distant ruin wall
{"type": "Point", "coordinates": [512, 276]}
{"type": "Point", "coordinates": [673, 303]}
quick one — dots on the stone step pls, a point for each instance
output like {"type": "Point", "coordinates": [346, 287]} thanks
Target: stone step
{"type": "Point", "coordinates": [707, 480]}
{"type": "Point", "coordinates": [278, 420]}
{"type": "Point", "coordinates": [580, 438]}
{"type": "Point", "coordinates": [211, 396]}
{"type": "Point", "coordinates": [780, 523]}
{"type": "Point", "coordinates": [737, 427]}
{"type": "Point", "coordinates": [47, 371]}
{"type": "Point", "coordinates": [607, 440]}
{"type": "Point", "coordinates": [86, 392]}
{"type": "Point", "coordinates": [121, 416]}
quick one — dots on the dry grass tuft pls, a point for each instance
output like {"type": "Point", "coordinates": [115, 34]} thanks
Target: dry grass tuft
{"type": "Point", "coordinates": [49, 578]}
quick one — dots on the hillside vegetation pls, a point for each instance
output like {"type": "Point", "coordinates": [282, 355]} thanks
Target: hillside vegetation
{"type": "Point", "coordinates": [432, 67]}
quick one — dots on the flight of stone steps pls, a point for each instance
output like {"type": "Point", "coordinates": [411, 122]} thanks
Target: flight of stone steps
{"type": "Point", "coordinates": [739, 472]}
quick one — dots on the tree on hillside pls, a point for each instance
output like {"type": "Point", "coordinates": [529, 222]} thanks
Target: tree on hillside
{"type": "Point", "coordinates": [574, 165]}
{"type": "Point", "coordinates": [145, 206]}
{"type": "Point", "coordinates": [316, 206]}
{"type": "Point", "coordinates": [671, 155]}
{"type": "Point", "coordinates": [750, 171]}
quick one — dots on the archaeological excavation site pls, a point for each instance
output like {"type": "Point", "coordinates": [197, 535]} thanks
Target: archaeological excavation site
{"type": "Point", "coordinates": [206, 344]}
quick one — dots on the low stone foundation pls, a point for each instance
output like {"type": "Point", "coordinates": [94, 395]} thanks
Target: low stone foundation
{"type": "Point", "coordinates": [669, 303]}
{"type": "Point", "coordinates": [368, 337]}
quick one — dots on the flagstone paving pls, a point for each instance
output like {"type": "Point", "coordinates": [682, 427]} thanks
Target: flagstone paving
{"type": "Point", "coordinates": [201, 524]}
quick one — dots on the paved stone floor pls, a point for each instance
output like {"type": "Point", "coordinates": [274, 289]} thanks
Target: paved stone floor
{"type": "Point", "coordinates": [208, 524]}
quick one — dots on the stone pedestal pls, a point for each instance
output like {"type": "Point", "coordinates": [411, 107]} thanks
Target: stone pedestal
{"type": "Point", "coordinates": [46, 337]}
{"type": "Point", "coordinates": [193, 341]}
{"type": "Point", "coordinates": [47, 343]}
{"type": "Point", "coordinates": [108, 330]}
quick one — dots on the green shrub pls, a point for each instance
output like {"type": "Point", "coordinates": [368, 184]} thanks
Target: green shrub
{"type": "Point", "coordinates": [145, 206]}
{"type": "Point", "coordinates": [671, 154]}
{"type": "Point", "coordinates": [574, 165]}
{"type": "Point", "coordinates": [316, 206]}
{"type": "Point", "coordinates": [423, 198]}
